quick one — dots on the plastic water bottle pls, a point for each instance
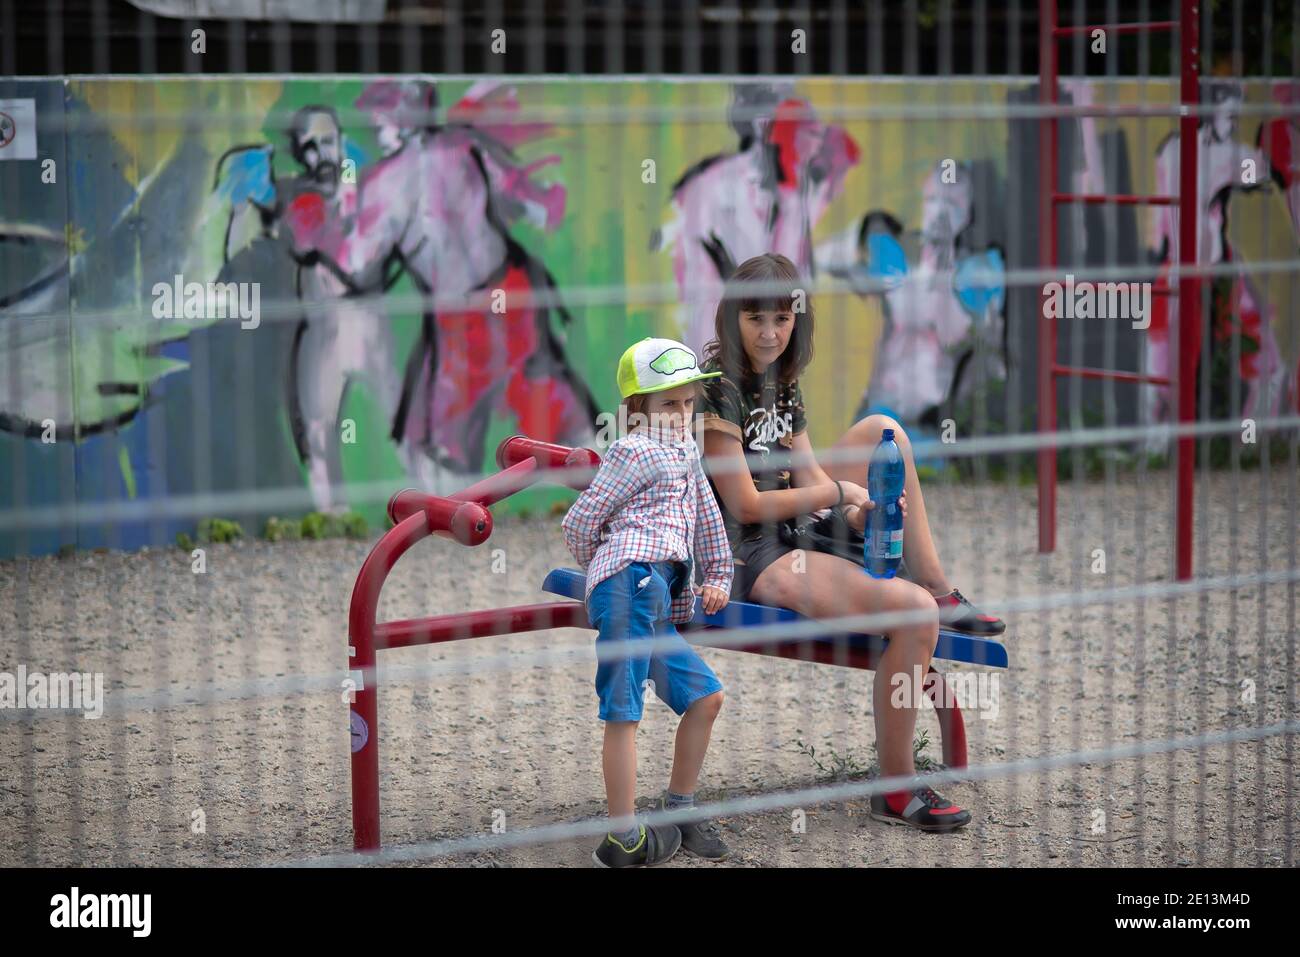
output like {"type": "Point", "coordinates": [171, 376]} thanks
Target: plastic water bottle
{"type": "Point", "coordinates": [883, 549]}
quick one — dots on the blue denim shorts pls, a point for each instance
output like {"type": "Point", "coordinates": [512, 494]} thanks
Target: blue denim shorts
{"type": "Point", "coordinates": [636, 603]}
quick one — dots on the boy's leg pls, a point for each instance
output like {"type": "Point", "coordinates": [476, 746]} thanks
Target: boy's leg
{"type": "Point", "coordinates": [692, 743]}
{"type": "Point", "coordinates": [623, 608]}
{"type": "Point", "coordinates": [618, 761]}
{"type": "Point", "coordinates": [688, 686]}
{"type": "Point", "coordinates": [620, 682]}
{"type": "Point", "coordinates": [700, 838]}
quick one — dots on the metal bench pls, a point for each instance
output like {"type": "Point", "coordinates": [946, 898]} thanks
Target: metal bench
{"type": "Point", "coordinates": [847, 650]}
{"type": "Point", "coordinates": [464, 517]}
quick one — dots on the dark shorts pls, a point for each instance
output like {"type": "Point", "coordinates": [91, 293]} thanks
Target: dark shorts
{"type": "Point", "coordinates": [751, 559]}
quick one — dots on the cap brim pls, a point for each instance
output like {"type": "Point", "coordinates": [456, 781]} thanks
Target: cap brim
{"type": "Point", "coordinates": [673, 385]}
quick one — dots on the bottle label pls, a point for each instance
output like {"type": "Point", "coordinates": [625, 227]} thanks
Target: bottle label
{"type": "Point", "coordinates": [888, 545]}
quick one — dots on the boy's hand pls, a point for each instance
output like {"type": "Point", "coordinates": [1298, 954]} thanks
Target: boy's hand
{"type": "Point", "coordinates": [715, 599]}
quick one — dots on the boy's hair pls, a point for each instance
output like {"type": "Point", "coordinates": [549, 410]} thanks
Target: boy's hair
{"type": "Point", "coordinates": [781, 277]}
{"type": "Point", "coordinates": [635, 403]}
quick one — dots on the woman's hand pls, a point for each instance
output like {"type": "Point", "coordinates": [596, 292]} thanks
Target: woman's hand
{"type": "Point", "coordinates": [715, 599]}
{"type": "Point", "coordinates": [856, 515]}
{"type": "Point", "coordinates": [855, 495]}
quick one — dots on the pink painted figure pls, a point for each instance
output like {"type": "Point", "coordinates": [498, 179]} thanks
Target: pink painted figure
{"type": "Point", "coordinates": [437, 205]}
{"type": "Point", "coordinates": [765, 197]}
{"type": "Point", "coordinates": [1236, 306]}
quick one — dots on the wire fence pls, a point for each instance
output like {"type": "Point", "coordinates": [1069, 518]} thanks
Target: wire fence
{"type": "Point", "coordinates": [448, 245]}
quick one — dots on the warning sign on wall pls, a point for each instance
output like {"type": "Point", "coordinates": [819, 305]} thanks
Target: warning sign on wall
{"type": "Point", "coordinates": [17, 129]}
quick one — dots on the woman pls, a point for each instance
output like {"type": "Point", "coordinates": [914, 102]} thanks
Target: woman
{"type": "Point", "coordinates": [756, 407]}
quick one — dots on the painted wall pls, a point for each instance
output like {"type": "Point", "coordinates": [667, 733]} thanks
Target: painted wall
{"type": "Point", "coordinates": [375, 244]}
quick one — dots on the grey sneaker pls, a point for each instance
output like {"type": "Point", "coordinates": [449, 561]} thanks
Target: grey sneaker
{"type": "Point", "coordinates": [701, 838]}
{"type": "Point", "coordinates": [658, 843]}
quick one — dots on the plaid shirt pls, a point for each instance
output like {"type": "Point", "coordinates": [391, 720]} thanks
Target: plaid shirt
{"type": "Point", "coordinates": [650, 502]}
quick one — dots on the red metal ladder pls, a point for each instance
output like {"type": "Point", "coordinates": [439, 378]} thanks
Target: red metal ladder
{"type": "Point", "coordinates": [1050, 33]}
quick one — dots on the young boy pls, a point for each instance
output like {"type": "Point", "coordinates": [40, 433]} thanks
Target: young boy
{"type": "Point", "coordinates": [637, 530]}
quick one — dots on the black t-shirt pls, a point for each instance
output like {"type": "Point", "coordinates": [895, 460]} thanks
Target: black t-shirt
{"type": "Point", "coordinates": [765, 415]}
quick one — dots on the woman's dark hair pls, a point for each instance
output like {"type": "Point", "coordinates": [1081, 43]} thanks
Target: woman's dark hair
{"type": "Point", "coordinates": [779, 290]}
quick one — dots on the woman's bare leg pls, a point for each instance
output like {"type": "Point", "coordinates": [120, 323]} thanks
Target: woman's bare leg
{"type": "Point", "coordinates": [830, 587]}
{"type": "Point", "coordinates": [922, 557]}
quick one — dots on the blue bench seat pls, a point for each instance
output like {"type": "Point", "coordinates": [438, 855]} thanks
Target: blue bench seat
{"type": "Point", "coordinates": [952, 646]}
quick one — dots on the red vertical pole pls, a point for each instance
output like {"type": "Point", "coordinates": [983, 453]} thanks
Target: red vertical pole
{"type": "Point", "coordinates": [364, 725]}
{"type": "Point", "coordinates": [364, 713]}
{"type": "Point", "coordinates": [1047, 254]}
{"type": "Point", "coordinates": [465, 518]}
{"type": "Point", "coordinates": [1189, 297]}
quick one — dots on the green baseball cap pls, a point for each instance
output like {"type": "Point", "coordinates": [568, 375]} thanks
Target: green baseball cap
{"type": "Point", "coordinates": [653, 365]}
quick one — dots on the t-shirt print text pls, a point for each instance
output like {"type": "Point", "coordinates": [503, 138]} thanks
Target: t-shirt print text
{"type": "Point", "coordinates": [765, 426]}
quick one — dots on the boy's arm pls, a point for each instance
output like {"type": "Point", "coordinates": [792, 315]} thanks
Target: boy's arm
{"type": "Point", "coordinates": [615, 482]}
{"type": "Point", "coordinates": [712, 550]}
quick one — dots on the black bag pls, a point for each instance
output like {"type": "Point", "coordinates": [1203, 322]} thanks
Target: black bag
{"type": "Point", "coordinates": [831, 534]}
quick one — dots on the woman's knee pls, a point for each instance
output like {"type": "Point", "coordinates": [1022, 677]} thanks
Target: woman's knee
{"type": "Point", "coordinates": [910, 597]}
{"type": "Point", "coordinates": [923, 617]}
{"type": "Point", "coordinates": [879, 422]}
{"type": "Point", "coordinates": [870, 430]}
{"type": "Point", "coordinates": [875, 424]}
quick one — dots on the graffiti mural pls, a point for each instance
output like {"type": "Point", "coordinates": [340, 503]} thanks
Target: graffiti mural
{"type": "Point", "coordinates": [766, 196]}
{"type": "Point", "coordinates": [432, 259]}
{"type": "Point", "coordinates": [944, 328]}
{"type": "Point", "coordinates": [349, 242]}
{"type": "Point", "coordinates": [1238, 306]}
{"type": "Point", "coordinates": [438, 205]}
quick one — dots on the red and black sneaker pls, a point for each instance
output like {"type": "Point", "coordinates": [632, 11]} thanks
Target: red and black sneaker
{"type": "Point", "coordinates": [957, 613]}
{"type": "Point", "coordinates": [922, 809]}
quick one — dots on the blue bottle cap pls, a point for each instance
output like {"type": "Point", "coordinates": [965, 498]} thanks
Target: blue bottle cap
{"type": "Point", "coordinates": [887, 435]}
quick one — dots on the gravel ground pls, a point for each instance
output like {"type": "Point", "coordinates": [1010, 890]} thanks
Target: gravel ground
{"type": "Point", "coordinates": [265, 778]}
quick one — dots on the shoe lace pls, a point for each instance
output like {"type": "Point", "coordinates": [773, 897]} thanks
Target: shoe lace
{"type": "Point", "coordinates": [930, 797]}
{"type": "Point", "coordinates": [708, 828]}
